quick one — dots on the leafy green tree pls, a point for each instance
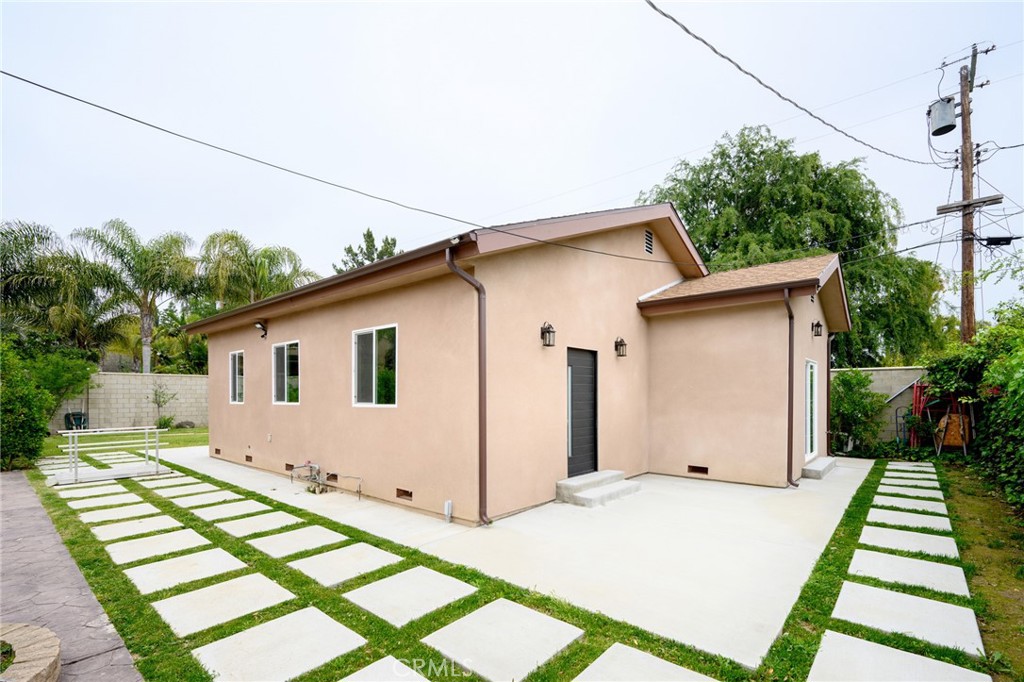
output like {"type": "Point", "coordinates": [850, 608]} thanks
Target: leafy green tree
{"type": "Point", "coordinates": [856, 410]}
{"type": "Point", "coordinates": [236, 272]}
{"type": "Point", "coordinates": [145, 271]}
{"type": "Point", "coordinates": [177, 351]}
{"type": "Point", "coordinates": [754, 200]}
{"type": "Point", "coordinates": [63, 375]}
{"type": "Point", "coordinates": [367, 252]}
{"type": "Point", "coordinates": [24, 412]}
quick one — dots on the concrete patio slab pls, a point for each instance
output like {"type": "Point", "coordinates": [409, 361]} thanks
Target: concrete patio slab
{"type": "Point", "coordinates": [621, 663]}
{"type": "Point", "coordinates": [933, 621]}
{"type": "Point", "coordinates": [162, 481]}
{"type": "Point", "coordinates": [913, 492]}
{"type": "Point", "coordinates": [909, 541]}
{"type": "Point", "coordinates": [258, 524]}
{"type": "Point", "coordinates": [105, 501]}
{"type": "Point", "coordinates": [407, 596]}
{"type": "Point", "coordinates": [842, 658]}
{"type": "Point", "coordinates": [129, 512]}
{"type": "Point", "coordinates": [126, 529]}
{"type": "Point", "coordinates": [911, 475]}
{"type": "Point", "coordinates": [339, 565]}
{"type": "Point", "coordinates": [899, 569]}
{"type": "Point", "coordinates": [91, 491]}
{"type": "Point", "coordinates": [298, 540]}
{"type": "Point", "coordinates": [179, 490]}
{"type": "Point", "coordinates": [908, 519]}
{"type": "Point", "coordinates": [503, 640]}
{"type": "Point", "coordinates": [190, 501]}
{"type": "Point", "coordinates": [913, 505]}
{"type": "Point", "coordinates": [387, 669]}
{"type": "Point", "coordinates": [279, 649]}
{"type": "Point", "coordinates": [911, 482]}
{"type": "Point", "coordinates": [127, 551]}
{"type": "Point", "coordinates": [201, 609]}
{"type": "Point", "coordinates": [226, 511]}
{"type": "Point", "coordinates": [160, 575]}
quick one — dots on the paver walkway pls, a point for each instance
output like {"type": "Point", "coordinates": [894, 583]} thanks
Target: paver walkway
{"type": "Point", "coordinates": [41, 585]}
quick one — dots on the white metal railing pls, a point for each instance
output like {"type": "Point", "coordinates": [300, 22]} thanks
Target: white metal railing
{"type": "Point", "coordinates": [150, 439]}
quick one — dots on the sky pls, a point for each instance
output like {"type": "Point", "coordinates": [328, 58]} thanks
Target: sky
{"type": "Point", "coordinates": [492, 112]}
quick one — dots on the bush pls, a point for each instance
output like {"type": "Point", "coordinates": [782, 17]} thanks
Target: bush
{"type": "Point", "coordinates": [24, 412]}
{"type": "Point", "coordinates": [856, 411]}
{"type": "Point", "coordinates": [165, 422]}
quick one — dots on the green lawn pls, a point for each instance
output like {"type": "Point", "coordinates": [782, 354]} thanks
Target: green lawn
{"type": "Point", "coordinates": [175, 438]}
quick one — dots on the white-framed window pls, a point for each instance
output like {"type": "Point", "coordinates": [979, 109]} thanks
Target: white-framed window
{"type": "Point", "coordinates": [286, 372]}
{"type": "Point", "coordinates": [810, 409]}
{"type": "Point", "coordinates": [375, 366]}
{"type": "Point", "coordinates": [236, 377]}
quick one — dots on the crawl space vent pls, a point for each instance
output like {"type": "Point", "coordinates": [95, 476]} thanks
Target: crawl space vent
{"type": "Point", "coordinates": [697, 470]}
{"type": "Point", "coordinates": [403, 494]}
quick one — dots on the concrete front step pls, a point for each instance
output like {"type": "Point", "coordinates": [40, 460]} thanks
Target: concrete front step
{"type": "Point", "coordinates": [568, 487]}
{"type": "Point", "coordinates": [593, 497]}
{"type": "Point", "coordinates": [819, 468]}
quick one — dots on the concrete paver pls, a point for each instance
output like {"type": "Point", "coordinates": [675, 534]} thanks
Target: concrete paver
{"type": "Point", "coordinates": [412, 594]}
{"type": "Point", "coordinates": [387, 669]}
{"type": "Point", "coordinates": [126, 529]}
{"type": "Point", "coordinates": [105, 501]}
{"type": "Point", "coordinates": [179, 490]}
{"type": "Point", "coordinates": [226, 511]}
{"type": "Point", "coordinates": [279, 649]}
{"type": "Point", "coordinates": [190, 501]}
{"type": "Point", "coordinates": [160, 575]}
{"type": "Point", "coordinates": [911, 491]}
{"type": "Point", "coordinates": [128, 551]}
{"type": "Point", "coordinates": [171, 474]}
{"type": "Point", "coordinates": [911, 475]}
{"type": "Point", "coordinates": [503, 640]}
{"type": "Point", "coordinates": [909, 541]}
{"type": "Point", "coordinates": [842, 658]}
{"type": "Point", "coordinates": [339, 565]}
{"type": "Point", "coordinates": [909, 519]}
{"type": "Point", "coordinates": [915, 505]}
{"type": "Point", "coordinates": [260, 523]}
{"type": "Point", "coordinates": [899, 569]}
{"type": "Point", "coordinates": [913, 466]}
{"type": "Point", "coordinates": [911, 482]}
{"type": "Point", "coordinates": [933, 621]}
{"type": "Point", "coordinates": [164, 481]}
{"type": "Point", "coordinates": [76, 486]}
{"type": "Point", "coordinates": [621, 663]}
{"type": "Point", "coordinates": [90, 492]}
{"type": "Point", "coordinates": [298, 540]}
{"type": "Point", "coordinates": [131, 511]}
{"type": "Point", "coordinates": [203, 608]}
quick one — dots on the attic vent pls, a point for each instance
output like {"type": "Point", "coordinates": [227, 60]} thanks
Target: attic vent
{"type": "Point", "coordinates": [697, 470]}
{"type": "Point", "coordinates": [648, 241]}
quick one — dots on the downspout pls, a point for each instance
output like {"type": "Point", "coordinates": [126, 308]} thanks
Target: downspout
{"type": "Point", "coordinates": [828, 397]}
{"type": "Point", "coordinates": [789, 401]}
{"type": "Point", "coordinates": [481, 299]}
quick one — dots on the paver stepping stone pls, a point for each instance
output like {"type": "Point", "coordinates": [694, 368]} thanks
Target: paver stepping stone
{"type": "Point", "coordinates": [127, 551]}
{"type": "Point", "coordinates": [388, 669]}
{"type": "Point", "coordinates": [169, 481]}
{"type": "Point", "coordinates": [911, 482]}
{"type": "Point", "coordinates": [503, 640]}
{"type": "Point", "coordinates": [179, 490]}
{"type": "Point", "coordinates": [279, 649]}
{"type": "Point", "coordinates": [409, 595]}
{"type": "Point", "coordinates": [842, 658]}
{"type": "Point", "coordinates": [91, 492]}
{"type": "Point", "coordinates": [104, 501]}
{"type": "Point", "coordinates": [129, 512]}
{"type": "Point", "coordinates": [915, 505]}
{"type": "Point", "coordinates": [621, 663]}
{"type": "Point", "coordinates": [225, 511]}
{"type": "Point", "coordinates": [159, 477]}
{"type": "Point", "coordinates": [201, 609]}
{"type": "Point", "coordinates": [933, 621]}
{"type": "Point", "coordinates": [89, 484]}
{"type": "Point", "coordinates": [909, 541]}
{"type": "Point", "coordinates": [206, 498]}
{"type": "Point", "coordinates": [911, 475]}
{"type": "Point", "coordinates": [339, 565]}
{"type": "Point", "coordinates": [908, 519]}
{"type": "Point", "coordinates": [159, 575]}
{"type": "Point", "coordinates": [126, 529]}
{"type": "Point", "coordinates": [258, 524]}
{"type": "Point", "coordinates": [913, 465]}
{"type": "Point", "coordinates": [900, 569]}
{"type": "Point", "coordinates": [914, 492]}
{"type": "Point", "coordinates": [298, 540]}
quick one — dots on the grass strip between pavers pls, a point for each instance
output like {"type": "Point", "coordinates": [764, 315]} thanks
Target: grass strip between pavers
{"type": "Point", "coordinates": [161, 655]}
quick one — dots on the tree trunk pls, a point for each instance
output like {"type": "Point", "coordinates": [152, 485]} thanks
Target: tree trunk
{"type": "Point", "coordinates": [146, 332]}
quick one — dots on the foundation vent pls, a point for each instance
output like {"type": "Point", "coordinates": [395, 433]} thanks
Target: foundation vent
{"type": "Point", "coordinates": [403, 494]}
{"type": "Point", "coordinates": [288, 467]}
{"type": "Point", "coordinates": [248, 458]}
{"type": "Point", "coordinates": [332, 478]}
{"type": "Point", "coordinates": [216, 451]}
{"type": "Point", "coordinates": [648, 241]}
{"type": "Point", "coordinates": [697, 470]}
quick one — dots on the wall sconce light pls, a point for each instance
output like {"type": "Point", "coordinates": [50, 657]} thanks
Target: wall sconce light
{"type": "Point", "coordinates": [620, 347]}
{"type": "Point", "coordinates": [262, 326]}
{"type": "Point", "coordinates": [816, 328]}
{"type": "Point", "coordinates": [547, 335]}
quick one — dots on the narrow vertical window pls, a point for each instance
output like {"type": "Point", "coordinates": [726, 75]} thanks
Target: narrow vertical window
{"type": "Point", "coordinates": [236, 369]}
{"type": "Point", "coordinates": [375, 366]}
{"type": "Point", "coordinates": [811, 409]}
{"type": "Point", "coordinates": [286, 372]}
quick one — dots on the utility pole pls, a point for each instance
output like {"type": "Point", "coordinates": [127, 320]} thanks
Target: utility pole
{"type": "Point", "coordinates": [967, 217]}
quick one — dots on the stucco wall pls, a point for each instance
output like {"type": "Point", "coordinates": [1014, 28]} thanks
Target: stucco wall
{"type": "Point", "coordinates": [893, 382]}
{"type": "Point", "coordinates": [125, 399]}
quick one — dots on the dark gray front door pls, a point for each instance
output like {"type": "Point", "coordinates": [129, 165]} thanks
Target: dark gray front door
{"type": "Point", "coordinates": [582, 413]}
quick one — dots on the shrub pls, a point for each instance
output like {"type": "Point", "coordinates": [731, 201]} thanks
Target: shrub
{"type": "Point", "coordinates": [165, 422]}
{"type": "Point", "coordinates": [24, 412]}
{"type": "Point", "coordinates": [856, 410]}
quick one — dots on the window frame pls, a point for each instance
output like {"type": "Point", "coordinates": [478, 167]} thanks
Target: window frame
{"type": "Point", "coordinates": [812, 408]}
{"type": "Point", "coordinates": [273, 373]}
{"type": "Point", "coordinates": [232, 386]}
{"type": "Point", "coordinates": [355, 366]}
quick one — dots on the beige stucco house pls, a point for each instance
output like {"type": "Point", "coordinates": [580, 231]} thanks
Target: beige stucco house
{"type": "Point", "coordinates": [483, 369]}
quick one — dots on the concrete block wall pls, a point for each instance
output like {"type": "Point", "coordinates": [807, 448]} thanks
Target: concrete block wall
{"type": "Point", "coordinates": [893, 382]}
{"type": "Point", "coordinates": [125, 399]}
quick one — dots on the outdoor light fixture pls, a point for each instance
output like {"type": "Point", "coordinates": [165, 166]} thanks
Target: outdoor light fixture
{"type": "Point", "coordinates": [816, 328]}
{"type": "Point", "coordinates": [547, 335]}
{"type": "Point", "coordinates": [262, 326]}
{"type": "Point", "coordinates": [620, 347]}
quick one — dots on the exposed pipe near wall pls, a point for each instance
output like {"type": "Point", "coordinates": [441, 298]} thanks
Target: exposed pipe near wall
{"type": "Point", "coordinates": [789, 401]}
{"type": "Point", "coordinates": [481, 300]}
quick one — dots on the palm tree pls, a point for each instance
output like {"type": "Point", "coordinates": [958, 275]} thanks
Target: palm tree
{"type": "Point", "coordinates": [237, 272]}
{"type": "Point", "coordinates": [145, 271]}
{"type": "Point", "coordinates": [22, 275]}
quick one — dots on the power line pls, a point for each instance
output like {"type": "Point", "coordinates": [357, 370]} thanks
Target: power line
{"type": "Point", "coordinates": [776, 92]}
